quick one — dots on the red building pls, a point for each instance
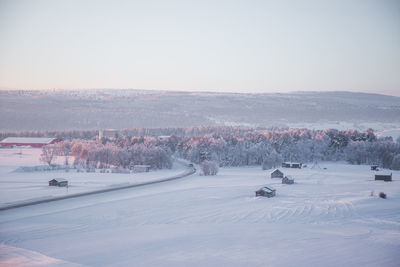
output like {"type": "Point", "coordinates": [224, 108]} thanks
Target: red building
{"type": "Point", "coordinates": [28, 141]}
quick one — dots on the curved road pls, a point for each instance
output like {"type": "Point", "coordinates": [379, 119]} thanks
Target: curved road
{"type": "Point", "coordinates": [190, 170]}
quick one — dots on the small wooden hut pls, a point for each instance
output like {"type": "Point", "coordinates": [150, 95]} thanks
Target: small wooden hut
{"type": "Point", "coordinates": [58, 182]}
{"type": "Point", "coordinates": [285, 164]}
{"type": "Point", "coordinates": [295, 165]}
{"type": "Point", "coordinates": [291, 165]}
{"type": "Point", "coordinates": [266, 192]}
{"type": "Point", "coordinates": [383, 177]}
{"type": "Point", "coordinates": [287, 180]}
{"type": "Point", "coordinates": [276, 174]}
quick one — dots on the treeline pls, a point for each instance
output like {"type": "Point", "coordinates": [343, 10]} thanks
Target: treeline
{"type": "Point", "coordinates": [271, 148]}
{"type": "Point", "coordinates": [92, 154]}
{"type": "Point", "coordinates": [235, 146]}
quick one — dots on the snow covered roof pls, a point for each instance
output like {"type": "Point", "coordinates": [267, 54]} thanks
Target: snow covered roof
{"type": "Point", "coordinates": [60, 180]}
{"type": "Point", "coordinates": [276, 170]}
{"type": "Point", "coordinates": [27, 140]}
{"type": "Point", "coordinates": [265, 188]}
{"type": "Point", "coordinates": [385, 173]}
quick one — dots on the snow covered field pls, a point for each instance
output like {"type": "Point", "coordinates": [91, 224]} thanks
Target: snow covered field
{"type": "Point", "coordinates": [18, 187]}
{"type": "Point", "coordinates": [23, 187]}
{"type": "Point", "coordinates": [327, 218]}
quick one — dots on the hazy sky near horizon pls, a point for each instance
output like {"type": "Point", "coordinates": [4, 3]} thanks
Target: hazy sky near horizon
{"type": "Point", "coordinates": [223, 46]}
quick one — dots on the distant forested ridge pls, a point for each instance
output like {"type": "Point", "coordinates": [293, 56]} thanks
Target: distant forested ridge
{"type": "Point", "coordinates": [121, 109]}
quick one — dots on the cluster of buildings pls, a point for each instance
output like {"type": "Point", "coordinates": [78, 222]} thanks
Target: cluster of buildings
{"type": "Point", "coordinates": [285, 179]}
{"type": "Point", "coordinates": [269, 191]}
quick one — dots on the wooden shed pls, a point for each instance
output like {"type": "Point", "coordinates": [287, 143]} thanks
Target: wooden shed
{"type": "Point", "coordinates": [292, 165]}
{"type": "Point", "coordinates": [383, 177]}
{"type": "Point", "coordinates": [266, 192]}
{"type": "Point", "coordinates": [295, 165]}
{"type": "Point", "coordinates": [285, 164]}
{"type": "Point", "coordinates": [276, 174]}
{"type": "Point", "coordinates": [287, 180]}
{"type": "Point", "coordinates": [58, 182]}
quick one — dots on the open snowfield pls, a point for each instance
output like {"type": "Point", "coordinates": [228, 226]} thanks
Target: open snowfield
{"type": "Point", "coordinates": [327, 218]}
{"type": "Point", "coordinates": [20, 187]}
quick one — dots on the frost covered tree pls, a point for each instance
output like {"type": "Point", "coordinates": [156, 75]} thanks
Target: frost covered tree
{"type": "Point", "coordinates": [209, 168]}
{"type": "Point", "coordinates": [230, 146]}
{"type": "Point", "coordinates": [123, 153]}
{"type": "Point", "coordinates": [273, 159]}
{"type": "Point", "coordinates": [64, 149]}
{"type": "Point", "coordinates": [49, 153]}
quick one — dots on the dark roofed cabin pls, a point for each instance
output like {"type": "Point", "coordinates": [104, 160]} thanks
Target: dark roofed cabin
{"type": "Point", "coordinates": [58, 182]}
{"type": "Point", "coordinates": [295, 165]}
{"type": "Point", "coordinates": [266, 192]}
{"type": "Point", "coordinates": [276, 174]}
{"type": "Point", "coordinates": [383, 177]}
{"type": "Point", "coordinates": [287, 180]}
{"type": "Point", "coordinates": [291, 165]}
{"type": "Point", "coordinates": [286, 165]}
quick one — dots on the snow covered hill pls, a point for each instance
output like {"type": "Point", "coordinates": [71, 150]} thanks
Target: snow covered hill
{"type": "Point", "coordinates": [107, 108]}
{"type": "Point", "coordinates": [327, 218]}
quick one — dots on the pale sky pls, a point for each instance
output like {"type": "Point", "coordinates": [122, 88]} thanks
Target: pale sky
{"type": "Point", "coordinates": [222, 46]}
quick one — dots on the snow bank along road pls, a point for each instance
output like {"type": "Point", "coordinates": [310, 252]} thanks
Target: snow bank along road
{"type": "Point", "coordinates": [187, 172]}
{"type": "Point", "coordinates": [327, 218]}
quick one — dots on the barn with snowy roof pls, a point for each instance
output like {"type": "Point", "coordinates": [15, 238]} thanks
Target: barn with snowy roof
{"type": "Point", "coordinates": [28, 141]}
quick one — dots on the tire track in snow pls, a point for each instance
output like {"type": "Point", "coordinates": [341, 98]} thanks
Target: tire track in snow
{"type": "Point", "coordinates": [316, 210]}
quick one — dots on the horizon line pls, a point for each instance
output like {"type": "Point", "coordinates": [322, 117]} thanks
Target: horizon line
{"type": "Point", "coordinates": [194, 91]}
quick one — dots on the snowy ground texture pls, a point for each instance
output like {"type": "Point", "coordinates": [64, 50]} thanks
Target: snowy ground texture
{"type": "Point", "coordinates": [20, 187]}
{"type": "Point", "coordinates": [327, 218]}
